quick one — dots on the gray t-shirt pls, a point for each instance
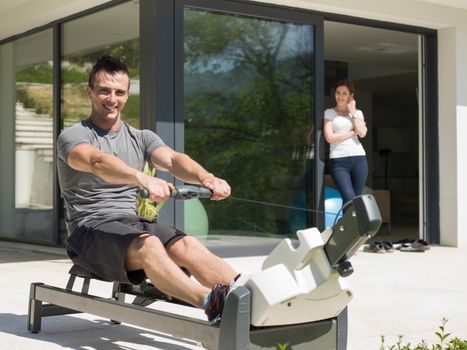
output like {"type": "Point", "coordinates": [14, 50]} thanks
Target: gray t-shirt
{"type": "Point", "coordinates": [88, 198]}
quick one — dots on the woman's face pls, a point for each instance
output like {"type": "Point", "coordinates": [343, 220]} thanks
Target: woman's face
{"type": "Point", "coordinates": [342, 95]}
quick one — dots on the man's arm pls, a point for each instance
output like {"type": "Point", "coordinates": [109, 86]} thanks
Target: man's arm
{"type": "Point", "coordinates": [111, 169]}
{"type": "Point", "coordinates": [186, 169]}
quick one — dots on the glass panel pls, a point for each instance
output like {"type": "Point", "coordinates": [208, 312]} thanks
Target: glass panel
{"type": "Point", "coordinates": [114, 32]}
{"type": "Point", "coordinates": [248, 102]}
{"type": "Point", "coordinates": [34, 121]}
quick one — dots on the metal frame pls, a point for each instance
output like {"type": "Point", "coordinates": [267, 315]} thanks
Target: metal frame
{"type": "Point", "coordinates": [431, 151]}
{"type": "Point", "coordinates": [157, 82]}
{"type": "Point", "coordinates": [233, 333]}
{"type": "Point", "coordinates": [62, 302]}
{"type": "Point", "coordinates": [57, 109]}
{"type": "Point", "coordinates": [360, 222]}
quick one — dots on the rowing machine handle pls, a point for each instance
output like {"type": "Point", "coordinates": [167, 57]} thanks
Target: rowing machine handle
{"type": "Point", "coordinates": [183, 192]}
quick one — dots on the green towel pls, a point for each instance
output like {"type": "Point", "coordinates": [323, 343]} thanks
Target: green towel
{"type": "Point", "coordinates": [146, 208]}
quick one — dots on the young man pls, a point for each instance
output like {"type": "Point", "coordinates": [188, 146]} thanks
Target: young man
{"type": "Point", "coordinates": [99, 166]}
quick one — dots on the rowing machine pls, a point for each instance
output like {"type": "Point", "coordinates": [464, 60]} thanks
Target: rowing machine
{"type": "Point", "coordinates": [299, 297]}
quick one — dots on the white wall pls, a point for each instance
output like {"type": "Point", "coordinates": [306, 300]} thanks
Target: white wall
{"type": "Point", "coordinates": [447, 136]}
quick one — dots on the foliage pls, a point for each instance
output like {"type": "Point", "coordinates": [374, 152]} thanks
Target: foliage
{"type": "Point", "coordinates": [131, 111]}
{"type": "Point", "coordinates": [40, 73]}
{"type": "Point", "coordinates": [43, 106]}
{"type": "Point", "coordinates": [127, 51]}
{"type": "Point", "coordinates": [444, 343]}
{"type": "Point", "coordinates": [248, 107]}
{"type": "Point", "coordinates": [74, 75]}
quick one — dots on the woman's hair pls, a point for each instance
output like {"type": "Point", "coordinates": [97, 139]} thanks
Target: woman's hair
{"type": "Point", "coordinates": [348, 83]}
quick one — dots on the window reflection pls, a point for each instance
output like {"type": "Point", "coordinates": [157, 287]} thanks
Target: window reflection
{"type": "Point", "coordinates": [248, 103]}
{"type": "Point", "coordinates": [114, 32]}
{"type": "Point", "coordinates": [33, 122]}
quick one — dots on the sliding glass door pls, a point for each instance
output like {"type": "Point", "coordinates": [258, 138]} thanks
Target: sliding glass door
{"type": "Point", "coordinates": [248, 115]}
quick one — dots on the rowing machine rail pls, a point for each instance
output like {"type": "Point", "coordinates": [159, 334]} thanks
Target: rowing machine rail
{"type": "Point", "coordinates": [250, 319]}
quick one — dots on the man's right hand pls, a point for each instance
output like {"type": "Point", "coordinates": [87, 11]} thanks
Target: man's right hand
{"type": "Point", "coordinates": [159, 190]}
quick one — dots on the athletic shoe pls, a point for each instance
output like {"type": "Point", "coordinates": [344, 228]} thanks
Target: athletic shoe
{"type": "Point", "coordinates": [216, 302]}
{"type": "Point", "coordinates": [375, 247]}
{"type": "Point", "coordinates": [388, 247]}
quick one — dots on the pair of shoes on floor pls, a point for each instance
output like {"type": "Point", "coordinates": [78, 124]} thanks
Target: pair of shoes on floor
{"type": "Point", "coordinates": [417, 246]}
{"type": "Point", "coordinates": [379, 247]}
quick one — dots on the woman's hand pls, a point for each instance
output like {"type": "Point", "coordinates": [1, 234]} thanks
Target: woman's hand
{"type": "Point", "coordinates": [352, 105]}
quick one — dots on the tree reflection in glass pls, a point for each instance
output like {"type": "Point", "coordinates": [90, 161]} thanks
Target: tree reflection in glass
{"type": "Point", "coordinates": [248, 102]}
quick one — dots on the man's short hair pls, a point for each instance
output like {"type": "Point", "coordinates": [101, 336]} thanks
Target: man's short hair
{"type": "Point", "coordinates": [109, 65]}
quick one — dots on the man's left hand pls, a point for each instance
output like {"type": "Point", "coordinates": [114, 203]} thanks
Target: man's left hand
{"type": "Point", "coordinates": [219, 187]}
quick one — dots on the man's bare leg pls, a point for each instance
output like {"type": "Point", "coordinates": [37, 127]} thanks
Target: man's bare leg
{"type": "Point", "coordinates": [207, 268]}
{"type": "Point", "coordinates": [148, 253]}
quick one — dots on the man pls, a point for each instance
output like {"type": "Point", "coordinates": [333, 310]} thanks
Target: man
{"type": "Point", "coordinates": [99, 166]}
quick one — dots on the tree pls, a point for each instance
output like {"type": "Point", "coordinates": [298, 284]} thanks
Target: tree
{"type": "Point", "coordinates": [248, 106]}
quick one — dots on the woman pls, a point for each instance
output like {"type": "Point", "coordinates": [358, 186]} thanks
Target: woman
{"type": "Point", "coordinates": [344, 125]}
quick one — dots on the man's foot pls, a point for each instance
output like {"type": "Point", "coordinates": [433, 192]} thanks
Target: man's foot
{"type": "Point", "coordinates": [216, 302]}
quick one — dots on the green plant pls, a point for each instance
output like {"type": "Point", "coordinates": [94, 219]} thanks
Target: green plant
{"type": "Point", "coordinates": [443, 342]}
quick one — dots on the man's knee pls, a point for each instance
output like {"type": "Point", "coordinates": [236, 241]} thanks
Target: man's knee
{"type": "Point", "coordinates": [146, 246]}
{"type": "Point", "coordinates": [182, 246]}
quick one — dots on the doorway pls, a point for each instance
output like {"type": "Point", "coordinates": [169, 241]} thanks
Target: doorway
{"type": "Point", "coordinates": [384, 65]}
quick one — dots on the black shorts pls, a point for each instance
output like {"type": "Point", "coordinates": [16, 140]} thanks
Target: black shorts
{"type": "Point", "coordinates": [102, 248]}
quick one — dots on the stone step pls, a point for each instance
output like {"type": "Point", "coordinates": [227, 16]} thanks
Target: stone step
{"type": "Point", "coordinates": [34, 134]}
{"type": "Point", "coordinates": [34, 121]}
{"type": "Point", "coordinates": [34, 140]}
{"type": "Point", "coordinates": [34, 128]}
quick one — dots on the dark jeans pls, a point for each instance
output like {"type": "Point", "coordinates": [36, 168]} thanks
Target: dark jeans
{"type": "Point", "coordinates": [349, 174]}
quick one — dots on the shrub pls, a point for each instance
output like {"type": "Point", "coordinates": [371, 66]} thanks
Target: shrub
{"type": "Point", "coordinates": [444, 343]}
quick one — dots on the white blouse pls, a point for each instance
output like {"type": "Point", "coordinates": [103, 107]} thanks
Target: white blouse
{"type": "Point", "coordinates": [341, 124]}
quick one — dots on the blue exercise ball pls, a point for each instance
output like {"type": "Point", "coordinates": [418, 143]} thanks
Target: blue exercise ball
{"type": "Point", "coordinates": [332, 206]}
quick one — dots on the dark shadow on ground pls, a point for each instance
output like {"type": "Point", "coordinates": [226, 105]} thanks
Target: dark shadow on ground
{"type": "Point", "coordinates": [77, 333]}
{"type": "Point", "coordinates": [13, 255]}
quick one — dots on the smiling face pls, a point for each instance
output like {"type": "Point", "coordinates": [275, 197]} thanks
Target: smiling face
{"type": "Point", "coordinates": [108, 94]}
{"type": "Point", "coordinates": [342, 96]}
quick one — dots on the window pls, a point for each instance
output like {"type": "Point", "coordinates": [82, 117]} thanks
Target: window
{"type": "Point", "coordinates": [114, 32]}
{"type": "Point", "coordinates": [34, 121]}
{"type": "Point", "coordinates": [248, 109]}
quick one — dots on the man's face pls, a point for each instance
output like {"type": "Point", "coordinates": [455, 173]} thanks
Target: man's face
{"type": "Point", "coordinates": [108, 95]}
